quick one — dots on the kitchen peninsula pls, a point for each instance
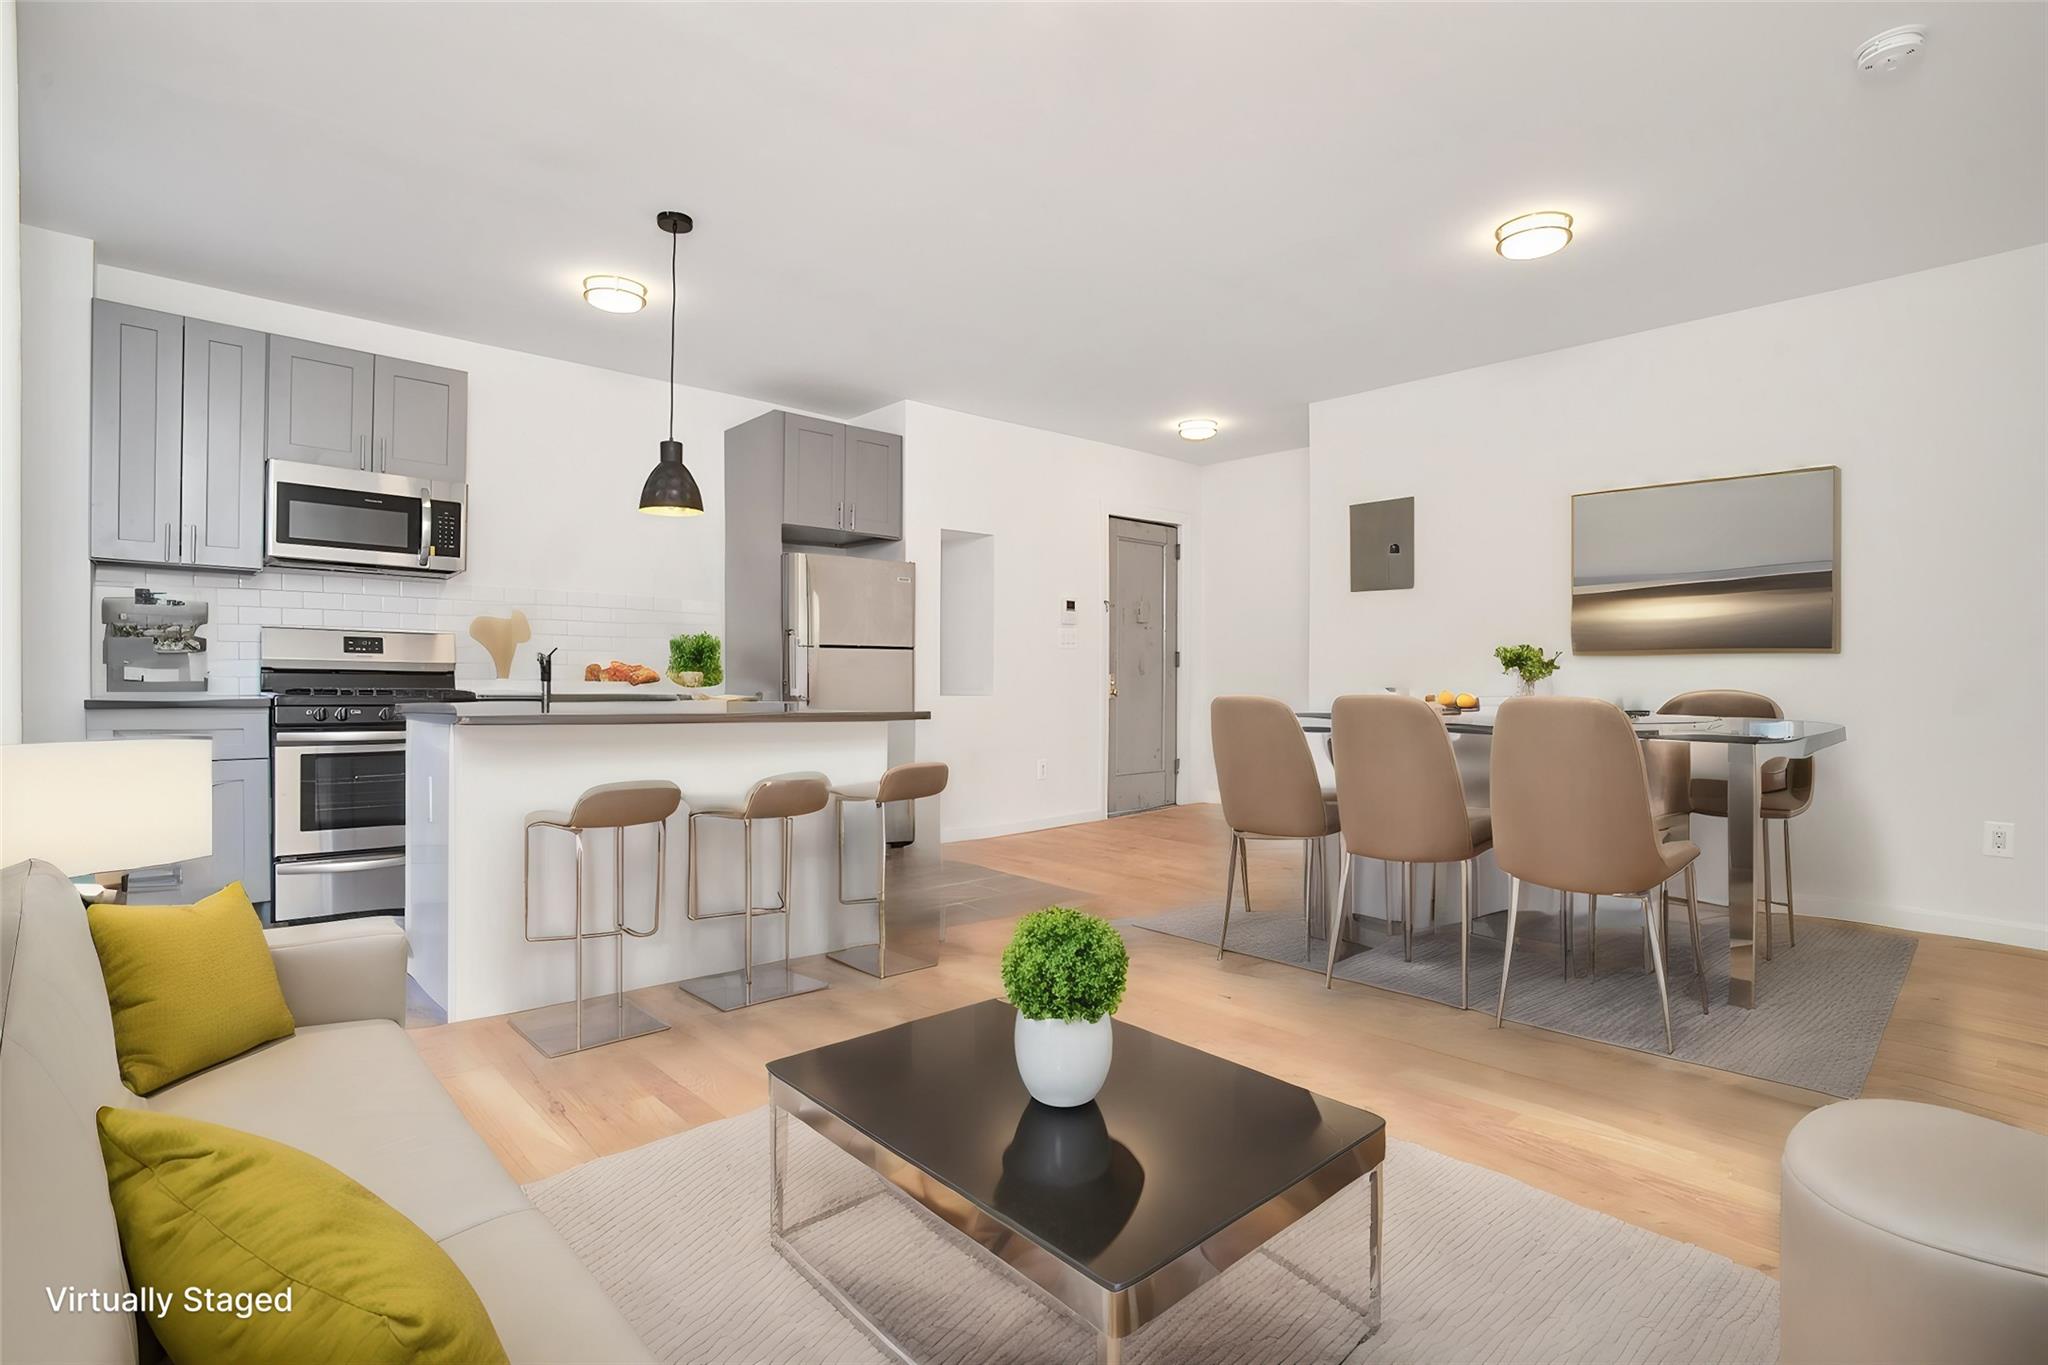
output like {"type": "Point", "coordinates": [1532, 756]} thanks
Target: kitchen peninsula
{"type": "Point", "coordinates": [476, 771]}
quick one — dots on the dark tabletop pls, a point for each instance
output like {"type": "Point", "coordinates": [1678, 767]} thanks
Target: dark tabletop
{"type": "Point", "coordinates": [1179, 1145]}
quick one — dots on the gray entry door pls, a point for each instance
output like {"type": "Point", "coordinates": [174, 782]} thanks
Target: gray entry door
{"type": "Point", "coordinates": [1144, 664]}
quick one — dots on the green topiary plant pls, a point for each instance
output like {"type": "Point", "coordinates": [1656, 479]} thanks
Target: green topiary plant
{"type": "Point", "coordinates": [1063, 964]}
{"type": "Point", "coordinates": [697, 653]}
{"type": "Point", "coordinates": [1527, 661]}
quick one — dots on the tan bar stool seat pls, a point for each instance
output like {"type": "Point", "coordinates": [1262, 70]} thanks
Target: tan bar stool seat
{"type": "Point", "coordinates": [578, 1024]}
{"type": "Point", "coordinates": [1402, 800]}
{"type": "Point", "coordinates": [1267, 778]}
{"type": "Point", "coordinates": [783, 798]}
{"type": "Point", "coordinates": [1571, 811]}
{"type": "Point", "coordinates": [904, 782]}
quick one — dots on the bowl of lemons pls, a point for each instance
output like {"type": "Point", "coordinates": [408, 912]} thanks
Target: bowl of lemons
{"type": "Point", "coordinates": [1455, 703]}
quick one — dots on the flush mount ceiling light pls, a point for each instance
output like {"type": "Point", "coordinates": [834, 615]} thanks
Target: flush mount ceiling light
{"type": "Point", "coordinates": [671, 490]}
{"type": "Point", "coordinates": [614, 293]}
{"type": "Point", "coordinates": [1890, 50]}
{"type": "Point", "coordinates": [1198, 428]}
{"type": "Point", "coordinates": [1533, 235]}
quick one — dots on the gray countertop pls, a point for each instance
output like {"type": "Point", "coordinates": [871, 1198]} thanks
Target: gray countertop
{"type": "Point", "coordinates": [674, 712]}
{"type": "Point", "coordinates": [261, 699]}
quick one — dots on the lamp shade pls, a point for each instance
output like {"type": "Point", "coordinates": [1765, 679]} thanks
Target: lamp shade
{"type": "Point", "coordinates": [106, 805]}
{"type": "Point", "coordinates": [671, 490]}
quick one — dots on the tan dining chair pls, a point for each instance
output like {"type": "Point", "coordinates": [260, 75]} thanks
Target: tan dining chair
{"type": "Point", "coordinates": [1787, 785]}
{"type": "Point", "coordinates": [1571, 811]}
{"type": "Point", "coordinates": [1401, 800]}
{"type": "Point", "coordinates": [1267, 779]}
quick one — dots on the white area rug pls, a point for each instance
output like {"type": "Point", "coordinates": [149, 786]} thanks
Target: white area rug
{"type": "Point", "coordinates": [1479, 1267]}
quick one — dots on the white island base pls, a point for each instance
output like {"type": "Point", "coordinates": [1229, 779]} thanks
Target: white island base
{"type": "Point", "coordinates": [476, 772]}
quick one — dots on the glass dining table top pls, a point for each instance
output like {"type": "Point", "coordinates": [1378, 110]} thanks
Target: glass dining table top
{"type": "Point", "coordinates": [1805, 736]}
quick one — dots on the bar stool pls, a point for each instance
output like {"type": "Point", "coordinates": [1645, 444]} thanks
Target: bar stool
{"type": "Point", "coordinates": [573, 1026]}
{"type": "Point", "coordinates": [782, 798]}
{"type": "Point", "coordinates": [904, 782]}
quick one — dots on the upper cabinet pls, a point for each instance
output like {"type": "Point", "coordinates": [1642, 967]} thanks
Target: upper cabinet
{"type": "Point", "coordinates": [840, 484]}
{"type": "Point", "coordinates": [874, 484]}
{"type": "Point", "coordinates": [177, 440]}
{"type": "Point", "coordinates": [320, 403]}
{"type": "Point", "coordinates": [419, 420]}
{"type": "Point", "coordinates": [355, 410]}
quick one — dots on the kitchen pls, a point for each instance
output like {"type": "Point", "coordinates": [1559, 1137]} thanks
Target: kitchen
{"type": "Point", "coordinates": [292, 623]}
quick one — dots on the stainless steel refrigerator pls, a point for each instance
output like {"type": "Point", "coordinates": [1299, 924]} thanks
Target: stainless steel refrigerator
{"type": "Point", "coordinates": [850, 628]}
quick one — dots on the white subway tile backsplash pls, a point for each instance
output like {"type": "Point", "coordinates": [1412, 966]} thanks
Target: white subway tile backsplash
{"type": "Point", "coordinates": [238, 597]}
{"type": "Point", "coordinates": [272, 597]}
{"type": "Point", "coordinates": [302, 616]}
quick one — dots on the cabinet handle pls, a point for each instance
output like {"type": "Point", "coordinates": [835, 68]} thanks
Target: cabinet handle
{"type": "Point", "coordinates": [383, 452]}
{"type": "Point", "coordinates": [362, 452]}
{"type": "Point", "coordinates": [170, 555]}
{"type": "Point", "coordinates": [193, 554]}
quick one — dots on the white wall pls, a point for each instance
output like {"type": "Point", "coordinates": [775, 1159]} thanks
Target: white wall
{"type": "Point", "coordinates": [1047, 500]}
{"type": "Point", "coordinates": [10, 383]}
{"type": "Point", "coordinates": [56, 430]}
{"type": "Point", "coordinates": [1254, 636]}
{"type": "Point", "coordinates": [1927, 390]}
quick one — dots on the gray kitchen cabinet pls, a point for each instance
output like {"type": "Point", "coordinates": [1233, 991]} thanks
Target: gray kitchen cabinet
{"type": "Point", "coordinates": [136, 467]}
{"type": "Point", "coordinates": [420, 420]}
{"type": "Point", "coordinates": [874, 484]}
{"type": "Point", "coordinates": [241, 844]}
{"type": "Point", "coordinates": [813, 475]}
{"type": "Point", "coordinates": [320, 403]}
{"type": "Point", "coordinates": [223, 446]}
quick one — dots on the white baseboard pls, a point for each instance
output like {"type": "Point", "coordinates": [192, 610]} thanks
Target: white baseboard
{"type": "Point", "coordinates": [954, 834]}
{"type": "Point", "coordinates": [1955, 924]}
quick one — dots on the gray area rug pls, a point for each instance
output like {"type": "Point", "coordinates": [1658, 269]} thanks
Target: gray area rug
{"type": "Point", "coordinates": [1479, 1267]}
{"type": "Point", "coordinates": [1825, 1003]}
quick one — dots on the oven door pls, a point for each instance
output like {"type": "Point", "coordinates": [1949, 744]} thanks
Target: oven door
{"type": "Point", "coordinates": [322, 888]}
{"type": "Point", "coordinates": [339, 791]}
{"type": "Point", "coordinates": [362, 519]}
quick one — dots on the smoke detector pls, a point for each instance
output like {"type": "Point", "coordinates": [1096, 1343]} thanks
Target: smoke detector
{"type": "Point", "coordinates": [1890, 50]}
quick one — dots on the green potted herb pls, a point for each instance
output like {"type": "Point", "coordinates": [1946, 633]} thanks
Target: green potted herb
{"type": "Point", "coordinates": [1528, 663]}
{"type": "Point", "coordinates": [694, 660]}
{"type": "Point", "coordinates": [1064, 971]}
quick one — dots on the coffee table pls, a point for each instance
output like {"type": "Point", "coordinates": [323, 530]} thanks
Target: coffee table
{"type": "Point", "coordinates": [1184, 1164]}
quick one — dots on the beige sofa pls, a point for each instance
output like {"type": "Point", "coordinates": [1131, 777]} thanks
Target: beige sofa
{"type": "Point", "coordinates": [348, 1087]}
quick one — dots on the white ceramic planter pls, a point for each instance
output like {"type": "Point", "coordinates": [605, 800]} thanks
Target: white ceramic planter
{"type": "Point", "coordinates": [1063, 1061]}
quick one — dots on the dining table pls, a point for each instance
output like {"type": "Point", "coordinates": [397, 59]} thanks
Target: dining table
{"type": "Point", "coordinates": [1749, 743]}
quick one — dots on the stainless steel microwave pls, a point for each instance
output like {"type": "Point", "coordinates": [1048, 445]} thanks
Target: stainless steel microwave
{"type": "Point", "coordinates": [361, 519]}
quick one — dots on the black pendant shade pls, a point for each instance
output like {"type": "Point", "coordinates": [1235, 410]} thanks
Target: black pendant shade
{"type": "Point", "coordinates": [671, 490]}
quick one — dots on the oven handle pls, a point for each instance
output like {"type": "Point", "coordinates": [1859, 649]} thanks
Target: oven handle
{"type": "Point", "coordinates": [426, 526]}
{"type": "Point", "coordinates": [293, 739]}
{"type": "Point", "coordinates": [311, 866]}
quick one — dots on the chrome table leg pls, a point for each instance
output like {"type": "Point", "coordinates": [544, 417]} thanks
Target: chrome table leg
{"type": "Point", "coordinates": [1744, 802]}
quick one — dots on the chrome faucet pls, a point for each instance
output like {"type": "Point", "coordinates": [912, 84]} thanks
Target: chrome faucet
{"type": "Point", "coordinates": [547, 679]}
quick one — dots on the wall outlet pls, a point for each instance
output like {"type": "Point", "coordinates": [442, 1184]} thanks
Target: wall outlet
{"type": "Point", "coordinates": [1041, 778]}
{"type": "Point", "coordinates": [1997, 839]}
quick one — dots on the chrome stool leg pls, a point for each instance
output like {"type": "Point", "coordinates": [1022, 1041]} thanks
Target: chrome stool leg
{"type": "Point", "coordinates": [557, 1030]}
{"type": "Point", "coordinates": [879, 958]}
{"type": "Point", "coordinates": [753, 983]}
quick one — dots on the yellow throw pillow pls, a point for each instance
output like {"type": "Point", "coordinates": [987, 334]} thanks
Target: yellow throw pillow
{"type": "Point", "coordinates": [190, 985]}
{"type": "Point", "coordinates": [208, 1211]}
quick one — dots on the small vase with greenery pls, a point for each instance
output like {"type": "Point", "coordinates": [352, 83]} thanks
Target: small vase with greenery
{"type": "Point", "coordinates": [1528, 663]}
{"type": "Point", "coordinates": [694, 660]}
{"type": "Point", "coordinates": [1065, 972]}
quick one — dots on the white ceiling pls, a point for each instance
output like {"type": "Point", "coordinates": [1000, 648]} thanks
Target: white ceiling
{"type": "Point", "coordinates": [1092, 219]}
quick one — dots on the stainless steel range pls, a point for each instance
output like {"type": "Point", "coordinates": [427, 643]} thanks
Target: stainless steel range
{"type": "Point", "coordinates": [337, 744]}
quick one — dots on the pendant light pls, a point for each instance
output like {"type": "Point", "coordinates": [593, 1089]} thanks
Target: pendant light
{"type": "Point", "coordinates": [671, 491]}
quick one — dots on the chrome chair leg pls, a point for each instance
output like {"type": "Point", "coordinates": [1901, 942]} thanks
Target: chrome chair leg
{"type": "Point", "coordinates": [1791, 922]}
{"type": "Point", "coordinates": [1465, 934]}
{"type": "Point", "coordinates": [1387, 892]}
{"type": "Point", "coordinates": [1339, 917]}
{"type": "Point", "coordinates": [1592, 935]}
{"type": "Point", "coordinates": [1507, 955]}
{"type": "Point", "coordinates": [1699, 956]}
{"type": "Point", "coordinates": [1564, 931]}
{"type": "Point", "coordinates": [1663, 992]}
{"type": "Point", "coordinates": [1764, 845]}
{"type": "Point", "coordinates": [1408, 917]}
{"type": "Point", "coordinates": [1229, 889]}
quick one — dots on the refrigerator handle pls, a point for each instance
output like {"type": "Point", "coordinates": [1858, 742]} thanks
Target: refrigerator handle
{"type": "Point", "coordinates": [795, 673]}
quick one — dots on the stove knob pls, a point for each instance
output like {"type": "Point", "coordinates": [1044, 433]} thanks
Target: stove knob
{"type": "Point", "coordinates": [317, 713]}
{"type": "Point", "coordinates": [384, 713]}
{"type": "Point", "coordinates": [342, 713]}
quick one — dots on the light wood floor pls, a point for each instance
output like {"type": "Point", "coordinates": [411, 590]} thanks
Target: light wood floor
{"type": "Point", "coordinates": [1688, 1152]}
